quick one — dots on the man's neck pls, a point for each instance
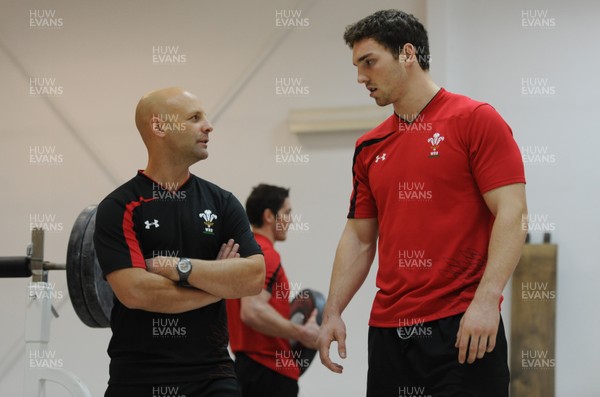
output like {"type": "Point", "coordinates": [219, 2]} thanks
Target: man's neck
{"type": "Point", "coordinates": [169, 175]}
{"type": "Point", "coordinates": [266, 232]}
{"type": "Point", "coordinates": [418, 95]}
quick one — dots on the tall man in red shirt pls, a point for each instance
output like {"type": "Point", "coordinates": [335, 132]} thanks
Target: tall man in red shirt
{"type": "Point", "coordinates": [259, 326]}
{"type": "Point", "coordinates": [438, 191]}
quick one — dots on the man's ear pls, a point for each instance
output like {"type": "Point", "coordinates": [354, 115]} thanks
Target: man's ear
{"type": "Point", "coordinates": [268, 216]}
{"type": "Point", "coordinates": [156, 126]}
{"type": "Point", "coordinates": [408, 53]}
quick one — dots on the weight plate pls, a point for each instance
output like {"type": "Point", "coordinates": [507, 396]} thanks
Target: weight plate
{"type": "Point", "coordinates": [301, 308]}
{"type": "Point", "coordinates": [96, 290]}
{"type": "Point", "coordinates": [90, 294]}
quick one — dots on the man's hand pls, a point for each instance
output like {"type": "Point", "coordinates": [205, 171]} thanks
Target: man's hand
{"type": "Point", "coordinates": [229, 250]}
{"type": "Point", "coordinates": [310, 332]}
{"type": "Point", "coordinates": [477, 332]}
{"type": "Point", "coordinates": [332, 329]}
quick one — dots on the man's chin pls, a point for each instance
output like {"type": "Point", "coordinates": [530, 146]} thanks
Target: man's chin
{"type": "Point", "coordinates": [202, 156]}
{"type": "Point", "coordinates": [382, 102]}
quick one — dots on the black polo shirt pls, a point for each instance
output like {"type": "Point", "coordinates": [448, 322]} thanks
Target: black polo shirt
{"type": "Point", "coordinates": [142, 219]}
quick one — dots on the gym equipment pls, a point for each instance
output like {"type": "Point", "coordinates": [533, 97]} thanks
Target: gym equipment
{"type": "Point", "coordinates": [301, 308]}
{"type": "Point", "coordinates": [37, 321]}
{"type": "Point", "coordinates": [90, 294]}
{"type": "Point", "coordinates": [533, 321]}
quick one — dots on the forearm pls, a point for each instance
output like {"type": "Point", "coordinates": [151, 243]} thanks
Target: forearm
{"type": "Point", "coordinates": [265, 319]}
{"type": "Point", "coordinates": [353, 259]}
{"type": "Point", "coordinates": [504, 251]}
{"type": "Point", "coordinates": [229, 278]}
{"type": "Point", "coordinates": [138, 289]}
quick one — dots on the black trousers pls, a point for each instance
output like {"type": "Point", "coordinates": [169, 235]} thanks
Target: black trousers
{"type": "Point", "coordinates": [256, 380]}
{"type": "Point", "coordinates": [421, 361]}
{"type": "Point", "coordinates": [227, 387]}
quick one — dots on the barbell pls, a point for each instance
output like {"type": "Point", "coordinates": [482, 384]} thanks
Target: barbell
{"type": "Point", "coordinates": [90, 294]}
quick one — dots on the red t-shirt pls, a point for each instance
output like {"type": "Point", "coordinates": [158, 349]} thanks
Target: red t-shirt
{"type": "Point", "coordinates": [274, 353]}
{"type": "Point", "coordinates": [424, 182]}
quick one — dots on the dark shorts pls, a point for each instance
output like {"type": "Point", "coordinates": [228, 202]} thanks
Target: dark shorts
{"type": "Point", "coordinates": [421, 361]}
{"type": "Point", "coordinates": [256, 380]}
{"type": "Point", "coordinates": [227, 387]}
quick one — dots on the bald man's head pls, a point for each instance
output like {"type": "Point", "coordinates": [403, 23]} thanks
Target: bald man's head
{"type": "Point", "coordinates": [172, 122]}
{"type": "Point", "coordinates": [158, 102]}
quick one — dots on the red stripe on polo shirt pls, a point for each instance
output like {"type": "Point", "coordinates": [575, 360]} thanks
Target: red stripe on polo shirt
{"type": "Point", "coordinates": [137, 258]}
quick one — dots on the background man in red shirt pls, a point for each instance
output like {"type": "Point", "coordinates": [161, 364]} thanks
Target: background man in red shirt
{"type": "Point", "coordinates": [259, 326]}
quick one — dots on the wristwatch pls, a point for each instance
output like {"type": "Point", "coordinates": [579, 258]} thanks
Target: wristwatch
{"type": "Point", "coordinates": [184, 268]}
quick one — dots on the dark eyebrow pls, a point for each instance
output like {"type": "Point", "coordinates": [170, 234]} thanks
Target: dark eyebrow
{"type": "Point", "coordinates": [359, 60]}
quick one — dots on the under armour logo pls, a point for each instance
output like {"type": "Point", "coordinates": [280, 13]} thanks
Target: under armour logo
{"type": "Point", "coordinates": [382, 158]}
{"type": "Point", "coordinates": [155, 224]}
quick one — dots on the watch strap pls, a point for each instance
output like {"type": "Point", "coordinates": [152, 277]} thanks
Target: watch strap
{"type": "Point", "coordinates": [183, 276]}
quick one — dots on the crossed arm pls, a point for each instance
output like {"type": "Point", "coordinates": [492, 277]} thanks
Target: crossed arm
{"type": "Point", "coordinates": [156, 289]}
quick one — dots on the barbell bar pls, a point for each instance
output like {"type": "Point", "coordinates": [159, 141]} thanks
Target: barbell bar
{"type": "Point", "coordinates": [90, 294]}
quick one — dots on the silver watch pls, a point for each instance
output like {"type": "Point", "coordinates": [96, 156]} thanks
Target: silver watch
{"type": "Point", "coordinates": [184, 268]}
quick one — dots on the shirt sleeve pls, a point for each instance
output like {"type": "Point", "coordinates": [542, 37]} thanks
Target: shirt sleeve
{"type": "Point", "coordinates": [115, 240]}
{"type": "Point", "coordinates": [272, 269]}
{"type": "Point", "coordinates": [237, 227]}
{"type": "Point", "coordinates": [362, 202]}
{"type": "Point", "coordinates": [494, 155]}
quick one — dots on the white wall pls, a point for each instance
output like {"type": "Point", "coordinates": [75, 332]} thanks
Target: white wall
{"type": "Point", "coordinates": [102, 57]}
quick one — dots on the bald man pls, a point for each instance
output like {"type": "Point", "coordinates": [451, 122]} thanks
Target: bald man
{"type": "Point", "coordinates": [172, 246]}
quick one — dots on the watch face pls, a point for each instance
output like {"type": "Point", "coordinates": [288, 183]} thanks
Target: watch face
{"type": "Point", "coordinates": [185, 266]}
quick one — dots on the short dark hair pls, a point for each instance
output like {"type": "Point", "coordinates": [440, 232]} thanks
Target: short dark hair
{"type": "Point", "coordinates": [392, 29]}
{"type": "Point", "coordinates": [264, 197]}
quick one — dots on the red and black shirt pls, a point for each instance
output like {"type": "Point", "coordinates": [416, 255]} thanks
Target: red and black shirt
{"type": "Point", "coordinates": [423, 182]}
{"type": "Point", "coordinates": [274, 353]}
{"type": "Point", "coordinates": [142, 219]}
